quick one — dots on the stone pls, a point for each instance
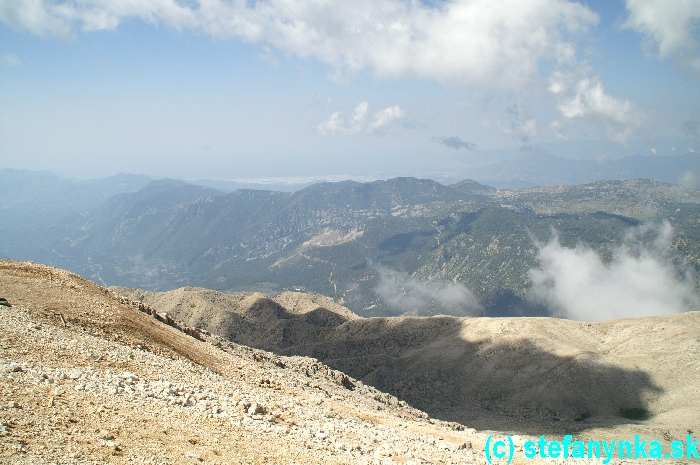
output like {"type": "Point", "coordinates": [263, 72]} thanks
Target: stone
{"type": "Point", "coordinates": [106, 436]}
{"type": "Point", "coordinates": [193, 456]}
{"type": "Point", "coordinates": [256, 409]}
{"type": "Point", "coordinates": [13, 367]}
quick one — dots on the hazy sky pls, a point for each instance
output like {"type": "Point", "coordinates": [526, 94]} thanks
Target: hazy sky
{"type": "Point", "coordinates": [245, 88]}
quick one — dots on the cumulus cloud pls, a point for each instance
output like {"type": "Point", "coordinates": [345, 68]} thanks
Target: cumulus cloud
{"type": "Point", "coordinates": [360, 113]}
{"type": "Point", "coordinates": [358, 122]}
{"type": "Point", "coordinates": [670, 26]}
{"type": "Point", "coordinates": [455, 143]}
{"type": "Point", "coordinates": [469, 41]}
{"type": "Point", "coordinates": [337, 124]}
{"type": "Point", "coordinates": [384, 118]}
{"type": "Point", "coordinates": [407, 294]}
{"type": "Point", "coordinates": [640, 279]}
{"type": "Point", "coordinates": [581, 95]}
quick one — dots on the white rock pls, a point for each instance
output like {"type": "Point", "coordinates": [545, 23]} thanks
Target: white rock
{"type": "Point", "coordinates": [13, 367]}
{"type": "Point", "coordinates": [255, 409]}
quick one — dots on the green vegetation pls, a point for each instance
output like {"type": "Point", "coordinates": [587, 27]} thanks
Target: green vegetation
{"type": "Point", "coordinates": [332, 238]}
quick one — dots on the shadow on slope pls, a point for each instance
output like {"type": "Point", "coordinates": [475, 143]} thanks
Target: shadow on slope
{"type": "Point", "coordinates": [491, 382]}
{"type": "Point", "coordinates": [513, 385]}
{"type": "Point", "coordinates": [476, 371]}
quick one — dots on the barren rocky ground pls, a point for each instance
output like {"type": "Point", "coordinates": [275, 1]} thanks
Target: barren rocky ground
{"type": "Point", "coordinates": [528, 375]}
{"type": "Point", "coordinates": [88, 377]}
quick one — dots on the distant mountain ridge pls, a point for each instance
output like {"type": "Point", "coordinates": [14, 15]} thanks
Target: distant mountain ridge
{"type": "Point", "coordinates": [372, 246]}
{"type": "Point", "coordinates": [541, 169]}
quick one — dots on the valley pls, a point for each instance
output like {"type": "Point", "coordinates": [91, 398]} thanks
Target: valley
{"type": "Point", "coordinates": [380, 248]}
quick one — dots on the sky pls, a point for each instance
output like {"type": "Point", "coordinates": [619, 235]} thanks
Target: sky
{"type": "Point", "coordinates": [227, 89]}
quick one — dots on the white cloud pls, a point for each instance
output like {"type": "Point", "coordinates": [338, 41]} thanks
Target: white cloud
{"type": "Point", "coordinates": [382, 120]}
{"type": "Point", "coordinates": [61, 18]}
{"type": "Point", "coordinates": [407, 294]}
{"type": "Point", "coordinates": [35, 16]}
{"type": "Point", "coordinates": [581, 95]}
{"type": "Point", "coordinates": [640, 279]}
{"type": "Point", "coordinates": [360, 113]}
{"type": "Point", "coordinates": [334, 125]}
{"type": "Point", "coordinates": [670, 26]}
{"type": "Point", "coordinates": [469, 41]}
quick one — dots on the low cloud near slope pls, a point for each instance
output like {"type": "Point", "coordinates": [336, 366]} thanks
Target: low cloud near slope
{"type": "Point", "coordinates": [640, 279]}
{"type": "Point", "coordinates": [404, 292]}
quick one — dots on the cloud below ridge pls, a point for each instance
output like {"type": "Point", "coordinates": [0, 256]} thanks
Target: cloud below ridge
{"type": "Point", "coordinates": [411, 295]}
{"type": "Point", "coordinates": [640, 279]}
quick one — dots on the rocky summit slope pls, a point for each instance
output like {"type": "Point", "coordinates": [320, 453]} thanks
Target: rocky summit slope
{"type": "Point", "coordinates": [528, 375]}
{"type": "Point", "coordinates": [89, 377]}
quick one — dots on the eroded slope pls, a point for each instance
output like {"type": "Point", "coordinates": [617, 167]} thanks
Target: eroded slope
{"type": "Point", "coordinates": [522, 374]}
{"type": "Point", "coordinates": [87, 378]}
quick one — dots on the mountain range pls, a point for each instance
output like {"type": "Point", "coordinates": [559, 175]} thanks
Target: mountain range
{"type": "Point", "coordinates": [403, 245]}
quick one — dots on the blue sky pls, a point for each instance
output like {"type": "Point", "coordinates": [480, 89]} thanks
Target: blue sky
{"type": "Point", "coordinates": [225, 89]}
